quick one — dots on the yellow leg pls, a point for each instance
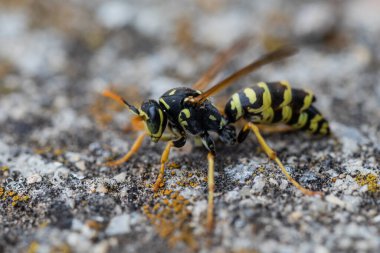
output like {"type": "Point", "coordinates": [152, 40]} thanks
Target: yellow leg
{"type": "Point", "coordinates": [164, 159]}
{"type": "Point", "coordinates": [133, 150]}
{"type": "Point", "coordinates": [272, 155]}
{"type": "Point", "coordinates": [211, 188]}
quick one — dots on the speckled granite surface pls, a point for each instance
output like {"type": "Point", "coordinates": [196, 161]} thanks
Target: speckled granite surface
{"type": "Point", "coordinates": [56, 131]}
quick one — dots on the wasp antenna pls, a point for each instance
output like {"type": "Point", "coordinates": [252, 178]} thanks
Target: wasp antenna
{"type": "Point", "coordinates": [114, 96]}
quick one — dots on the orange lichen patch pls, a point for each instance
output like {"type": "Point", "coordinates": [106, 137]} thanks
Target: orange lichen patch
{"type": "Point", "coordinates": [33, 247]}
{"type": "Point", "coordinates": [174, 165]}
{"type": "Point", "coordinates": [260, 171]}
{"type": "Point", "coordinates": [245, 251]}
{"type": "Point", "coordinates": [371, 180]}
{"type": "Point", "coordinates": [64, 248]}
{"type": "Point", "coordinates": [12, 197]}
{"type": "Point", "coordinates": [49, 150]}
{"type": "Point", "coordinates": [171, 218]}
{"type": "Point", "coordinates": [4, 168]}
{"type": "Point", "coordinates": [94, 225]}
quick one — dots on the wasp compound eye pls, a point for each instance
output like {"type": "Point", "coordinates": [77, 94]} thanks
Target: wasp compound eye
{"type": "Point", "coordinates": [155, 119]}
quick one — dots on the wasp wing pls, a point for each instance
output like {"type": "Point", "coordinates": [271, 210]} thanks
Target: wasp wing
{"type": "Point", "coordinates": [219, 62]}
{"type": "Point", "coordinates": [273, 56]}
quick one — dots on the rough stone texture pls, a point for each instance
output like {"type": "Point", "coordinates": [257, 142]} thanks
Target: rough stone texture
{"type": "Point", "coordinates": [56, 131]}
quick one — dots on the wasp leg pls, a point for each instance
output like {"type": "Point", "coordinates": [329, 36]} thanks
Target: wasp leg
{"type": "Point", "coordinates": [272, 155]}
{"type": "Point", "coordinates": [211, 188]}
{"type": "Point", "coordinates": [164, 159]}
{"type": "Point", "coordinates": [135, 147]}
{"type": "Point", "coordinates": [209, 144]}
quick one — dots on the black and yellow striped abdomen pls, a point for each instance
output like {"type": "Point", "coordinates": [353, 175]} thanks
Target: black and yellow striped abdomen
{"type": "Point", "coordinates": [277, 102]}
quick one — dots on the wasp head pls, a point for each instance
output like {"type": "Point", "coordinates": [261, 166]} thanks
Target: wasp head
{"type": "Point", "coordinates": [155, 119]}
{"type": "Point", "coordinates": [151, 113]}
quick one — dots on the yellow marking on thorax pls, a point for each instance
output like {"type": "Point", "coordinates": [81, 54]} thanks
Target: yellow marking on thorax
{"type": "Point", "coordinates": [307, 100]}
{"type": "Point", "coordinates": [251, 95]}
{"type": "Point", "coordinates": [287, 94]}
{"type": "Point", "coordinates": [164, 103]}
{"type": "Point", "coordinates": [186, 112]}
{"type": "Point", "coordinates": [222, 123]}
{"type": "Point", "coordinates": [172, 92]}
{"type": "Point", "coordinates": [314, 123]}
{"type": "Point", "coordinates": [286, 114]}
{"type": "Point", "coordinates": [212, 117]}
{"type": "Point", "coordinates": [236, 104]}
{"type": "Point", "coordinates": [302, 120]}
{"type": "Point", "coordinates": [187, 115]}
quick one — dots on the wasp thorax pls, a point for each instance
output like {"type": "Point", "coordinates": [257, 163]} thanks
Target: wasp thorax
{"type": "Point", "coordinates": [155, 119]}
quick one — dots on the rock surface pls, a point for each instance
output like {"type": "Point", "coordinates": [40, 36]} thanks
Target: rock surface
{"type": "Point", "coordinates": [56, 131]}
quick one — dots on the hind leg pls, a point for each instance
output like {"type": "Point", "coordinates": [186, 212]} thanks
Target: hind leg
{"type": "Point", "coordinates": [272, 155]}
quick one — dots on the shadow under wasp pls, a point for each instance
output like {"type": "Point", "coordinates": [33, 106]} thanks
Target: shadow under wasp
{"type": "Point", "coordinates": [188, 112]}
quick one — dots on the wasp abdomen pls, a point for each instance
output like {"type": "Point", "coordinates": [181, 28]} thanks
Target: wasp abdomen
{"type": "Point", "coordinates": [276, 102]}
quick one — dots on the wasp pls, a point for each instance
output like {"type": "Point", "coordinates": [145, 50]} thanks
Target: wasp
{"type": "Point", "coordinates": [188, 113]}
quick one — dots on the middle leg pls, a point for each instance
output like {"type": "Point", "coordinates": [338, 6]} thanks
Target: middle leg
{"type": "Point", "coordinates": [211, 189]}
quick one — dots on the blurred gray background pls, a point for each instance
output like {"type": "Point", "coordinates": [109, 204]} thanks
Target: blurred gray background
{"type": "Point", "coordinates": [56, 130]}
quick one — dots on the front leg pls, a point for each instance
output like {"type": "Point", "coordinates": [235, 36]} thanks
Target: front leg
{"type": "Point", "coordinates": [164, 158]}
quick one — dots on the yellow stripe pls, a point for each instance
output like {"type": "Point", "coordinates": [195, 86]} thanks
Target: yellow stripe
{"type": "Point", "coordinates": [286, 114]}
{"type": "Point", "coordinates": [251, 95]}
{"type": "Point", "coordinates": [314, 123]}
{"type": "Point", "coordinates": [268, 115]}
{"type": "Point", "coordinates": [222, 123]}
{"type": "Point", "coordinates": [172, 92]}
{"type": "Point", "coordinates": [164, 103]}
{"type": "Point", "coordinates": [212, 117]}
{"type": "Point", "coordinates": [236, 104]}
{"type": "Point", "coordinates": [324, 128]}
{"type": "Point", "coordinates": [302, 120]}
{"type": "Point", "coordinates": [307, 100]}
{"type": "Point", "coordinates": [186, 112]}
{"type": "Point", "coordinates": [267, 100]}
{"type": "Point", "coordinates": [287, 94]}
